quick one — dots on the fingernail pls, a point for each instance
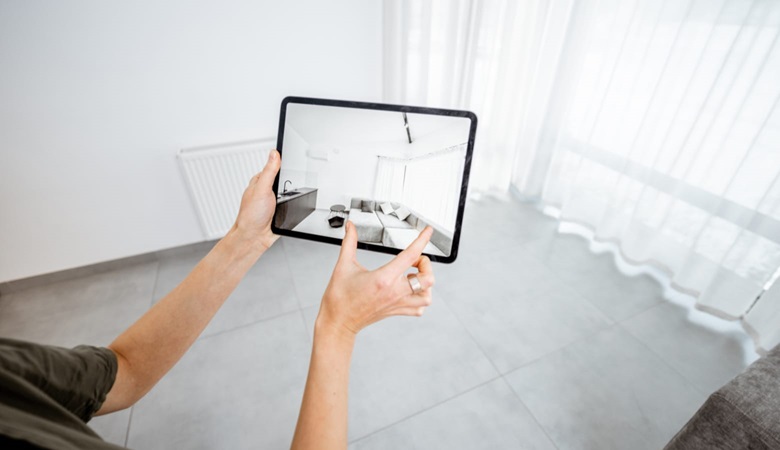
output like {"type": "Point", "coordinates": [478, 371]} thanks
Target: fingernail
{"type": "Point", "coordinates": [273, 154]}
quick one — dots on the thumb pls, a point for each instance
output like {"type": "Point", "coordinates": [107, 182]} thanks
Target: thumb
{"type": "Point", "coordinates": [348, 244]}
{"type": "Point", "coordinates": [266, 177]}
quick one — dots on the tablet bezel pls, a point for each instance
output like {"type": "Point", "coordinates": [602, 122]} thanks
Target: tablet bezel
{"type": "Point", "coordinates": [382, 107]}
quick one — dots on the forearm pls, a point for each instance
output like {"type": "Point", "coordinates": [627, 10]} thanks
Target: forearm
{"type": "Point", "coordinates": [152, 345]}
{"type": "Point", "coordinates": [322, 423]}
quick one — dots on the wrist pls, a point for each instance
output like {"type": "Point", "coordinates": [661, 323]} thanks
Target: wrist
{"type": "Point", "coordinates": [242, 244]}
{"type": "Point", "coordinates": [252, 239]}
{"type": "Point", "coordinates": [325, 330]}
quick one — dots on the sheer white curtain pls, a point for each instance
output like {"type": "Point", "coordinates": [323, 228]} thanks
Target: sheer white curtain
{"type": "Point", "coordinates": [437, 174]}
{"type": "Point", "coordinates": [654, 123]}
{"type": "Point", "coordinates": [389, 184]}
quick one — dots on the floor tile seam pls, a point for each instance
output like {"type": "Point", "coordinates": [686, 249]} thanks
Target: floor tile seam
{"type": "Point", "coordinates": [292, 277]}
{"type": "Point", "coordinates": [309, 333]}
{"type": "Point", "coordinates": [487, 251]}
{"type": "Point", "coordinates": [75, 308]}
{"type": "Point", "coordinates": [610, 324]}
{"type": "Point", "coordinates": [550, 289]}
{"type": "Point", "coordinates": [589, 335]}
{"type": "Point", "coordinates": [530, 411]}
{"type": "Point", "coordinates": [154, 286]}
{"type": "Point", "coordinates": [538, 358]}
{"type": "Point", "coordinates": [471, 336]}
{"type": "Point", "coordinates": [79, 273]}
{"type": "Point", "coordinates": [601, 311]}
{"type": "Point", "coordinates": [245, 325]}
{"type": "Point", "coordinates": [535, 296]}
{"type": "Point", "coordinates": [660, 302]}
{"type": "Point", "coordinates": [555, 271]}
{"type": "Point", "coordinates": [695, 385]}
{"type": "Point", "coordinates": [427, 408]}
{"type": "Point", "coordinates": [600, 308]}
{"type": "Point", "coordinates": [129, 423]}
{"type": "Point", "coordinates": [546, 264]}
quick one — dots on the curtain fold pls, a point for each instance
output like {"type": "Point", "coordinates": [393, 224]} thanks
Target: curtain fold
{"type": "Point", "coordinates": [389, 183]}
{"type": "Point", "coordinates": [656, 124]}
{"type": "Point", "coordinates": [437, 174]}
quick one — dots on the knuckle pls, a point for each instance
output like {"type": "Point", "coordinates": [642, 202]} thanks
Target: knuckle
{"type": "Point", "coordinates": [380, 283]}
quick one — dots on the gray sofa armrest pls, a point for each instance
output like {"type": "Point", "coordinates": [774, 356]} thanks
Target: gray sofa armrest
{"type": "Point", "coordinates": [743, 414]}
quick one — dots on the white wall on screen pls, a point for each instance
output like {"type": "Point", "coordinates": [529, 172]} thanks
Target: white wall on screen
{"type": "Point", "coordinates": [294, 161]}
{"type": "Point", "coordinates": [349, 172]}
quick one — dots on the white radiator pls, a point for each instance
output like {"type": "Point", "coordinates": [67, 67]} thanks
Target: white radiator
{"type": "Point", "coordinates": [216, 177]}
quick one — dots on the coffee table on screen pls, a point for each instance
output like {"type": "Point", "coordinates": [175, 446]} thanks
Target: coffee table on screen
{"type": "Point", "coordinates": [337, 216]}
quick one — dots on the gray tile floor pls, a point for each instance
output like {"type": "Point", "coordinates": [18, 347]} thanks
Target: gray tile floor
{"type": "Point", "coordinates": [533, 341]}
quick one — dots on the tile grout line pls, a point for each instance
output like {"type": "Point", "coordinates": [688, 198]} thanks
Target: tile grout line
{"type": "Point", "coordinates": [561, 348]}
{"type": "Point", "coordinates": [129, 422]}
{"type": "Point", "coordinates": [266, 319]}
{"type": "Point", "coordinates": [695, 385]}
{"type": "Point", "coordinates": [473, 388]}
{"type": "Point", "coordinates": [292, 277]}
{"type": "Point", "coordinates": [154, 286]}
{"type": "Point", "coordinates": [609, 325]}
{"type": "Point", "coordinates": [583, 297]}
{"type": "Point", "coordinates": [306, 326]}
{"type": "Point", "coordinates": [573, 288]}
{"type": "Point", "coordinates": [531, 413]}
{"type": "Point", "coordinates": [639, 313]}
{"type": "Point", "coordinates": [473, 339]}
{"type": "Point", "coordinates": [295, 289]}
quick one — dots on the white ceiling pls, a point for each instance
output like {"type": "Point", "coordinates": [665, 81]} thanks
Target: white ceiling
{"type": "Point", "coordinates": [334, 126]}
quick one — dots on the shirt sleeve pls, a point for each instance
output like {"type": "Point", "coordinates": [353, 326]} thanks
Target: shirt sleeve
{"type": "Point", "coordinates": [77, 378]}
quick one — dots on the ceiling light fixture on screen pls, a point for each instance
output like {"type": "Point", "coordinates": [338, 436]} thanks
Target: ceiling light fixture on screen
{"type": "Point", "coordinates": [406, 125]}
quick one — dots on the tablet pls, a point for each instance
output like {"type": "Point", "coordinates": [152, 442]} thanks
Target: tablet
{"type": "Point", "coordinates": [391, 170]}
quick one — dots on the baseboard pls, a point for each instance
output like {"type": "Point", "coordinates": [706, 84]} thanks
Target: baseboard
{"type": "Point", "coordinates": [22, 284]}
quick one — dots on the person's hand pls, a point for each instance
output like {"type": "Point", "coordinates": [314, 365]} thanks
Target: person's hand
{"type": "Point", "coordinates": [258, 205]}
{"type": "Point", "coordinates": [357, 297]}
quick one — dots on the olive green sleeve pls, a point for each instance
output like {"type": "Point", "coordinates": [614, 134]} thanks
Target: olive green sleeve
{"type": "Point", "coordinates": [77, 378]}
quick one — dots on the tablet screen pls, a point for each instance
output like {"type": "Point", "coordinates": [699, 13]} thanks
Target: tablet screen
{"type": "Point", "coordinates": [390, 171]}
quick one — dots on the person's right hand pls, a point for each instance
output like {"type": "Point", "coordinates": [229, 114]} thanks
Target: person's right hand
{"type": "Point", "coordinates": [357, 297]}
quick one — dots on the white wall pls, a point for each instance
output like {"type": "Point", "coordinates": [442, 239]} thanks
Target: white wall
{"type": "Point", "coordinates": [97, 97]}
{"type": "Point", "coordinates": [349, 172]}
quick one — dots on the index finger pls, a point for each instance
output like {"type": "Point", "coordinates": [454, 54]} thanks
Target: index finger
{"type": "Point", "coordinates": [410, 255]}
{"type": "Point", "coordinates": [423, 265]}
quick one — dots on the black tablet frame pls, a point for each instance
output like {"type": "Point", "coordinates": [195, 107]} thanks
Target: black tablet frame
{"type": "Point", "coordinates": [382, 107]}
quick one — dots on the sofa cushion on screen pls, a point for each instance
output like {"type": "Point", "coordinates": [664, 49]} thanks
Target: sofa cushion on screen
{"type": "Point", "coordinates": [402, 213]}
{"type": "Point", "coordinates": [355, 203]}
{"type": "Point", "coordinates": [368, 206]}
{"type": "Point", "coordinates": [389, 221]}
{"type": "Point", "coordinates": [387, 208]}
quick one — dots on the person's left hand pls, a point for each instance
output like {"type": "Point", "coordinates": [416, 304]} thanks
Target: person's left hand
{"type": "Point", "coordinates": [258, 205]}
{"type": "Point", "coordinates": [356, 297]}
